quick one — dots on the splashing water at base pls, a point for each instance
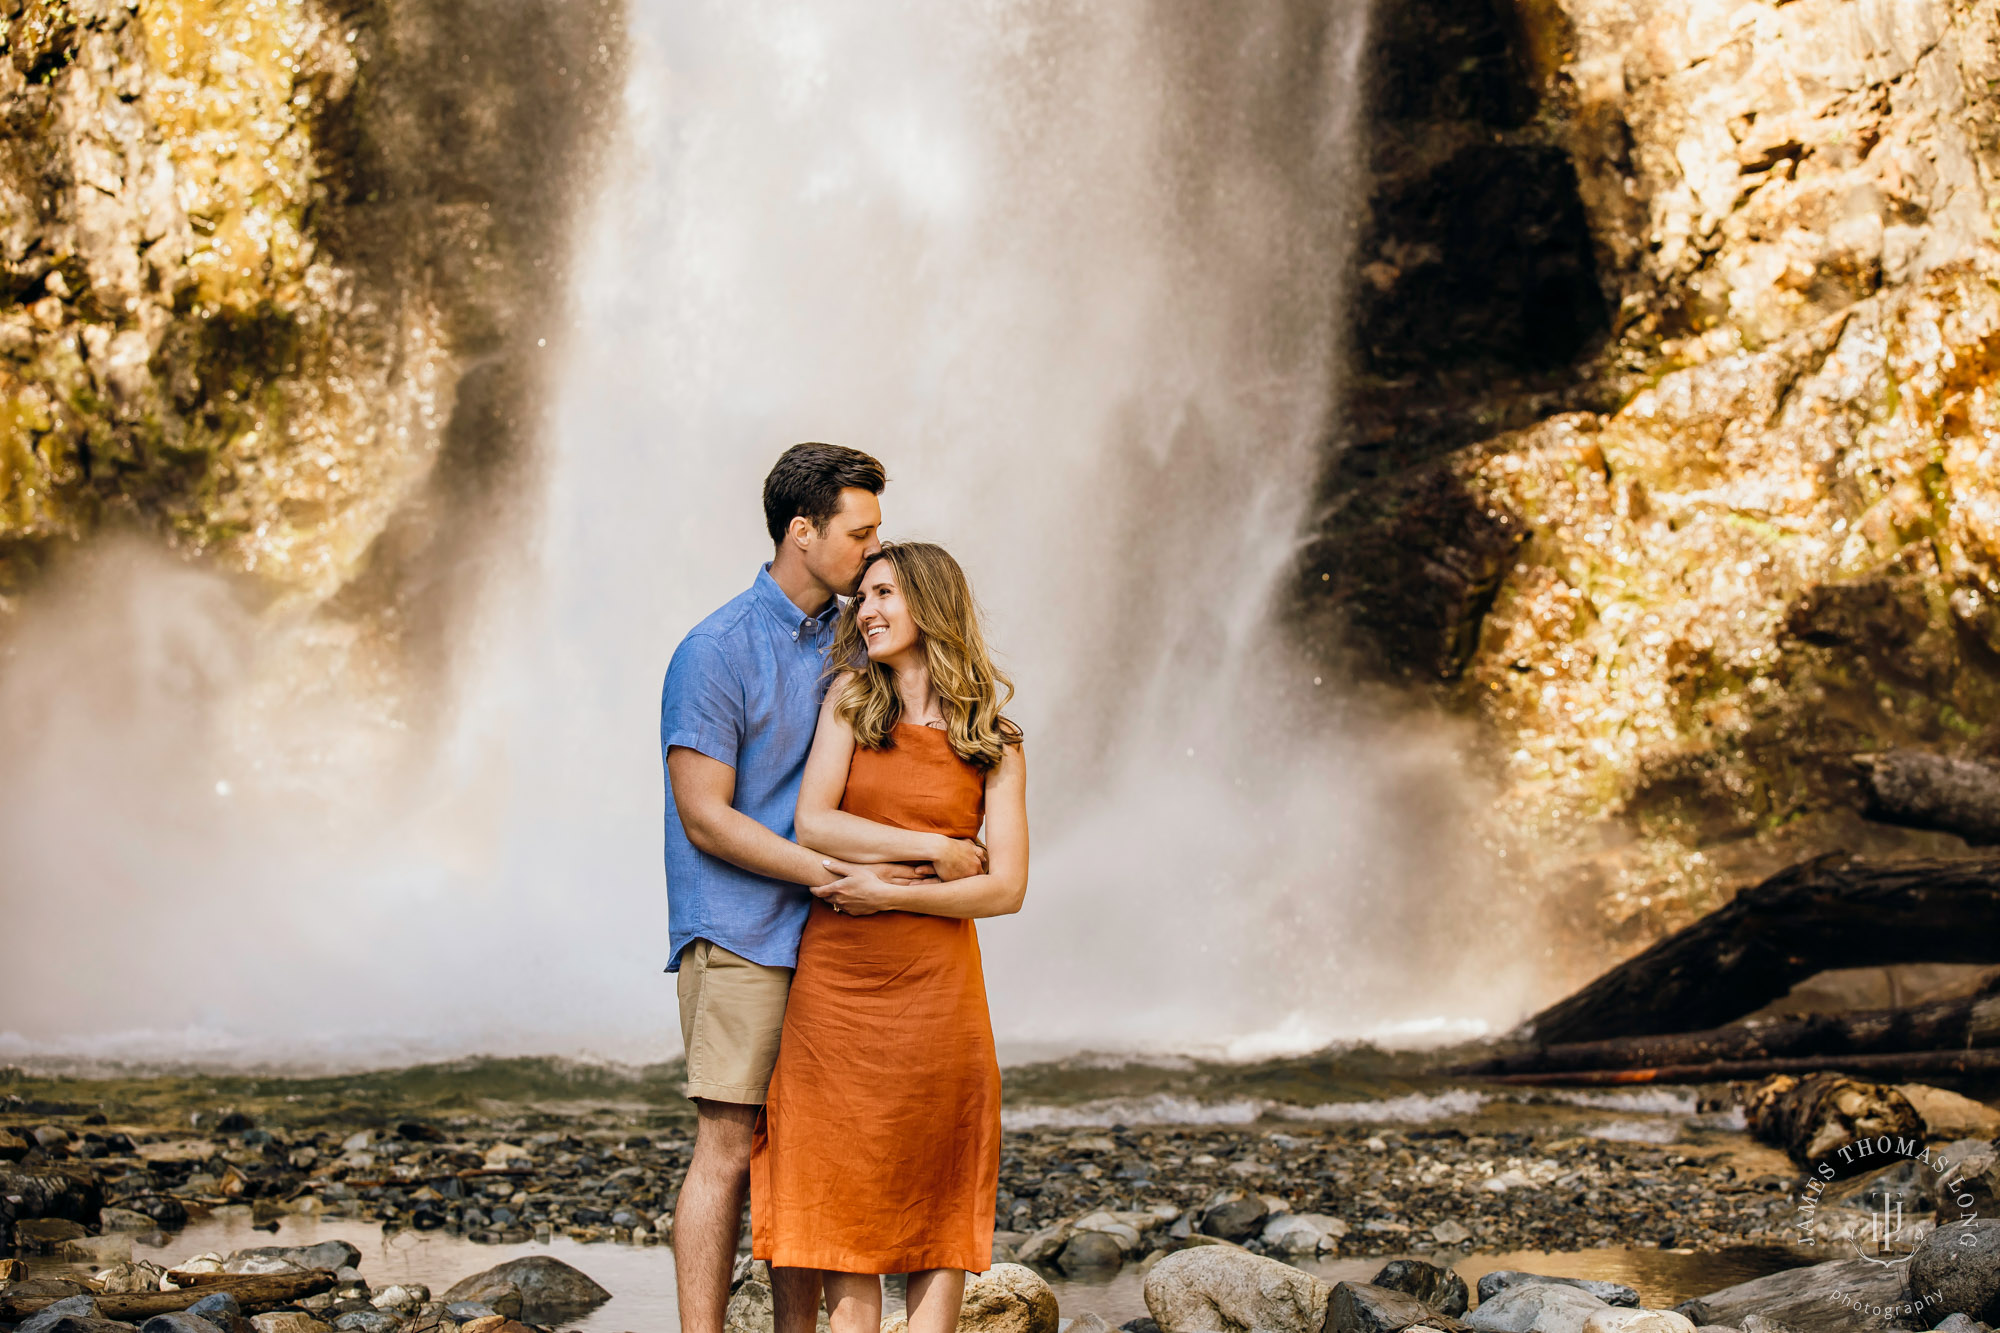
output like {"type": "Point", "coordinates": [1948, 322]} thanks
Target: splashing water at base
{"type": "Point", "coordinates": [1074, 273]}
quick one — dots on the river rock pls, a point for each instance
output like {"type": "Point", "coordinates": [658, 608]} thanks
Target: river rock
{"type": "Point", "coordinates": [13, 1147]}
{"type": "Point", "coordinates": [1535, 1307]}
{"type": "Point", "coordinates": [1970, 1181]}
{"type": "Point", "coordinates": [1219, 1287]}
{"type": "Point", "coordinates": [180, 1321]}
{"type": "Point", "coordinates": [218, 1308]}
{"type": "Point", "coordinates": [1008, 1298]}
{"type": "Point", "coordinates": [1359, 1307]}
{"type": "Point", "coordinates": [126, 1219]}
{"type": "Point", "coordinates": [1638, 1321]}
{"type": "Point", "coordinates": [103, 1251]}
{"type": "Point", "coordinates": [1303, 1233]}
{"type": "Point", "coordinates": [128, 1278]}
{"type": "Point", "coordinates": [287, 1321]}
{"type": "Point", "coordinates": [550, 1288]}
{"type": "Point", "coordinates": [1959, 1323]}
{"type": "Point", "coordinates": [1234, 1215]}
{"type": "Point", "coordinates": [1806, 1298]}
{"type": "Point", "coordinates": [1957, 1269]}
{"type": "Point", "coordinates": [1090, 1251]}
{"type": "Point", "coordinates": [47, 1234]}
{"type": "Point", "coordinates": [1611, 1293]}
{"type": "Point", "coordinates": [81, 1307]}
{"type": "Point", "coordinates": [1439, 1288]}
{"type": "Point", "coordinates": [497, 1324]}
{"type": "Point", "coordinates": [367, 1321]}
{"type": "Point", "coordinates": [401, 1298]}
{"type": "Point", "coordinates": [464, 1312]}
{"type": "Point", "coordinates": [331, 1255]}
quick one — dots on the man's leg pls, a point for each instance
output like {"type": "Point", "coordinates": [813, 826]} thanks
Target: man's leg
{"type": "Point", "coordinates": [795, 1292]}
{"type": "Point", "coordinates": [707, 1218]}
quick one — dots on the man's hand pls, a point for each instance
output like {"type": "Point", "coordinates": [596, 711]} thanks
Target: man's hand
{"type": "Point", "coordinates": [861, 890]}
{"type": "Point", "coordinates": [961, 858]}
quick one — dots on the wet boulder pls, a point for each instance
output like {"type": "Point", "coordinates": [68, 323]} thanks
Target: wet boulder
{"type": "Point", "coordinates": [1611, 1293]}
{"type": "Point", "coordinates": [1536, 1307]}
{"type": "Point", "coordinates": [1360, 1307]}
{"type": "Point", "coordinates": [1216, 1287]}
{"type": "Point", "coordinates": [1234, 1215]}
{"type": "Point", "coordinates": [49, 1317]}
{"type": "Point", "coordinates": [550, 1289]}
{"type": "Point", "coordinates": [1090, 1252]}
{"type": "Point", "coordinates": [1957, 1269]}
{"type": "Point", "coordinates": [1439, 1288]}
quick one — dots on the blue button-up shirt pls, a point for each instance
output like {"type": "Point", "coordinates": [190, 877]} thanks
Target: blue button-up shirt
{"type": "Point", "coordinates": [744, 687]}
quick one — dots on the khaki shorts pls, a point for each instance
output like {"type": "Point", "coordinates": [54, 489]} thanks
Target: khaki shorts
{"type": "Point", "coordinates": [732, 1011]}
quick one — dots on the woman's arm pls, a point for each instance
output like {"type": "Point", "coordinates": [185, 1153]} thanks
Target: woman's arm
{"type": "Point", "coordinates": [821, 823]}
{"type": "Point", "coordinates": [998, 892]}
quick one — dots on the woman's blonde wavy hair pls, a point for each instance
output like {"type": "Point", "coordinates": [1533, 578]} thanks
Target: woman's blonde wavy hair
{"type": "Point", "coordinates": [971, 690]}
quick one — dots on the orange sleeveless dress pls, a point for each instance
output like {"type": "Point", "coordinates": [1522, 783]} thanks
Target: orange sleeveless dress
{"type": "Point", "coordinates": [879, 1147]}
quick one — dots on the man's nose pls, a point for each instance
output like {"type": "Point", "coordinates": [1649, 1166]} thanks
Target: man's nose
{"type": "Point", "coordinates": [874, 548]}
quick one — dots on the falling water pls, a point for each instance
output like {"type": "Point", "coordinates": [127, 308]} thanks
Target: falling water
{"type": "Point", "coordinates": [1074, 272]}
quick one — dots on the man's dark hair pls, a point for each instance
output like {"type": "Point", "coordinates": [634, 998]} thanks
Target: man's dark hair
{"type": "Point", "coordinates": [807, 480]}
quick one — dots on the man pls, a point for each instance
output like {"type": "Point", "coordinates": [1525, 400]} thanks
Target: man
{"type": "Point", "coordinates": [737, 715]}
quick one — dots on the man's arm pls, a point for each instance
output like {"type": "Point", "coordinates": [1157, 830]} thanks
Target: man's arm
{"type": "Point", "coordinates": [823, 824]}
{"type": "Point", "coordinates": [998, 892]}
{"type": "Point", "coordinates": [703, 790]}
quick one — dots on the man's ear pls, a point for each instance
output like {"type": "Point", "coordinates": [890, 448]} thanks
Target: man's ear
{"type": "Point", "coordinates": [798, 531]}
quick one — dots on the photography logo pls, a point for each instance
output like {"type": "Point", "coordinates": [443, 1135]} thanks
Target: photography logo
{"type": "Point", "coordinates": [1898, 1191]}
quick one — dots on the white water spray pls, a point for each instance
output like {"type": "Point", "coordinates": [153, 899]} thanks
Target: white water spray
{"type": "Point", "coordinates": [1073, 271]}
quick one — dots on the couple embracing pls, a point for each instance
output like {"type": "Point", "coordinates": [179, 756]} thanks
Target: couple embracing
{"type": "Point", "coordinates": [834, 744]}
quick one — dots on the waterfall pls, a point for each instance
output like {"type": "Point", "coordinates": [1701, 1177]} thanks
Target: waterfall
{"type": "Point", "coordinates": [1074, 273]}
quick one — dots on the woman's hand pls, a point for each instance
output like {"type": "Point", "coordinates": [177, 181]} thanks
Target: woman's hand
{"type": "Point", "coordinates": [959, 858]}
{"type": "Point", "coordinates": [865, 890]}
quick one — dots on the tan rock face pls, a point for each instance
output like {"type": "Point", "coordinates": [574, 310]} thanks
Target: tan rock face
{"type": "Point", "coordinates": [246, 248]}
{"type": "Point", "coordinates": [1770, 541]}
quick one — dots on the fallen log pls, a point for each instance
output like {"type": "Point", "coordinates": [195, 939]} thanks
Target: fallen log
{"type": "Point", "coordinates": [1833, 911]}
{"type": "Point", "coordinates": [253, 1293]}
{"type": "Point", "coordinates": [1900, 1065]}
{"type": "Point", "coordinates": [1965, 1022]}
{"type": "Point", "coordinates": [1823, 1116]}
{"type": "Point", "coordinates": [1916, 789]}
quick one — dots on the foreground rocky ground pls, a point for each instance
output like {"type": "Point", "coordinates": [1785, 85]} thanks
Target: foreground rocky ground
{"type": "Point", "coordinates": [1222, 1223]}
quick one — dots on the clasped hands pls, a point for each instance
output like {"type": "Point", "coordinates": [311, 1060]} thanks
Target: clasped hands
{"type": "Point", "coordinates": [863, 890]}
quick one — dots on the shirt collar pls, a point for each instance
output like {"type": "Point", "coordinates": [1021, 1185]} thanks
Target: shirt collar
{"type": "Point", "coordinates": [794, 621]}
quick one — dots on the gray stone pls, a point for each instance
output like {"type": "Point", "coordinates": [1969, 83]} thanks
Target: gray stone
{"type": "Point", "coordinates": [180, 1321]}
{"type": "Point", "coordinates": [1234, 1218]}
{"type": "Point", "coordinates": [1616, 1319]}
{"type": "Point", "coordinates": [218, 1308]}
{"type": "Point", "coordinates": [367, 1321]}
{"type": "Point", "coordinates": [126, 1219]}
{"type": "Point", "coordinates": [1220, 1287]}
{"type": "Point", "coordinates": [331, 1255]}
{"type": "Point", "coordinates": [1959, 1323]}
{"type": "Point", "coordinates": [464, 1312]}
{"type": "Point", "coordinates": [1359, 1307]}
{"type": "Point", "coordinates": [1535, 1307]}
{"type": "Point", "coordinates": [550, 1288]}
{"type": "Point", "coordinates": [1820, 1298]}
{"type": "Point", "coordinates": [1090, 1251]}
{"type": "Point", "coordinates": [1439, 1288]}
{"type": "Point", "coordinates": [1956, 1270]}
{"type": "Point", "coordinates": [1969, 1185]}
{"type": "Point", "coordinates": [81, 1306]}
{"type": "Point", "coordinates": [1611, 1293]}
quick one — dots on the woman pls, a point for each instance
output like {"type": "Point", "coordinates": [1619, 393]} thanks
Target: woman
{"type": "Point", "coordinates": [879, 1151]}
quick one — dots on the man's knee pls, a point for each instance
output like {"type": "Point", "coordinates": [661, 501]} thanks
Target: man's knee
{"type": "Point", "coordinates": [724, 1134]}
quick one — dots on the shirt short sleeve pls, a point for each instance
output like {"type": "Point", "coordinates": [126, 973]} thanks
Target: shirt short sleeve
{"type": "Point", "coordinates": [701, 706]}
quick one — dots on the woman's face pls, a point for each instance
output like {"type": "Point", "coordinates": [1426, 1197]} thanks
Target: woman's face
{"type": "Point", "coordinates": [887, 628]}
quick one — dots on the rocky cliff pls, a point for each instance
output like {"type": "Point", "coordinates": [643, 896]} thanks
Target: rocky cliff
{"type": "Point", "coordinates": [1675, 450]}
{"type": "Point", "coordinates": [274, 275]}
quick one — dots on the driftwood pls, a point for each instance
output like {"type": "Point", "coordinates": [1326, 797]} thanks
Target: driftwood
{"type": "Point", "coordinates": [1829, 1039]}
{"type": "Point", "coordinates": [1819, 1118]}
{"type": "Point", "coordinates": [253, 1293]}
{"type": "Point", "coordinates": [1834, 911]}
{"type": "Point", "coordinates": [1931, 791]}
{"type": "Point", "coordinates": [1896, 1065]}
